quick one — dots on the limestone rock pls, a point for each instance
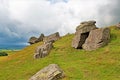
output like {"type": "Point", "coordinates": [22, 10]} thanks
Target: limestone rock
{"type": "Point", "coordinates": [82, 32]}
{"type": "Point", "coordinates": [32, 40]}
{"type": "Point", "coordinates": [40, 38]}
{"type": "Point", "coordinates": [43, 50]}
{"type": "Point", "coordinates": [97, 38]}
{"type": "Point", "coordinates": [79, 39]}
{"type": "Point", "coordinates": [86, 26]}
{"type": "Point", "coordinates": [51, 72]}
{"type": "Point", "coordinates": [52, 37]}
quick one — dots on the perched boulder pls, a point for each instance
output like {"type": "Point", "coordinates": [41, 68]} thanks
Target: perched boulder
{"type": "Point", "coordinates": [118, 25]}
{"type": "Point", "coordinates": [32, 40]}
{"type": "Point", "coordinates": [82, 32]}
{"type": "Point", "coordinates": [52, 37]}
{"type": "Point", "coordinates": [40, 38]}
{"type": "Point", "coordinates": [51, 72]}
{"type": "Point", "coordinates": [97, 38]}
{"type": "Point", "coordinates": [86, 26]}
{"type": "Point", "coordinates": [43, 50]}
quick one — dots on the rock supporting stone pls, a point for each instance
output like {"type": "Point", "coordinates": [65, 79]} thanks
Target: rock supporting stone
{"type": "Point", "coordinates": [52, 37]}
{"type": "Point", "coordinates": [89, 37]}
{"type": "Point", "coordinates": [51, 72]}
{"type": "Point", "coordinates": [97, 38]}
{"type": "Point", "coordinates": [82, 32]}
{"type": "Point", "coordinates": [43, 50]}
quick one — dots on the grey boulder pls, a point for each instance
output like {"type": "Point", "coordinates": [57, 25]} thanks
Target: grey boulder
{"type": "Point", "coordinates": [43, 50]}
{"type": "Point", "coordinates": [82, 32]}
{"type": "Point", "coordinates": [51, 72]}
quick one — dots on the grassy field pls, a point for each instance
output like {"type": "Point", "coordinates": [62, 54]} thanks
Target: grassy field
{"type": "Point", "coordinates": [101, 64]}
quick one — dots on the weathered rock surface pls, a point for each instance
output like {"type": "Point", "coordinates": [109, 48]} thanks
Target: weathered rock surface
{"type": "Point", "coordinates": [51, 72]}
{"type": "Point", "coordinates": [86, 26]}
{"type": "Point", "coordinates": [40, 38]}
{"type": "Point", "coordinates": [43, 50]}
{"type": "Point", "coordinates": [118, 25]}
{"type": "Point", "coordinates": [52, 37]}
{"type": "Point", "coordinates": [32, 40]}
{"type": "Point", "coordinates": [82, 32]}
{"type": "Point", "coordinates": [97, 38]}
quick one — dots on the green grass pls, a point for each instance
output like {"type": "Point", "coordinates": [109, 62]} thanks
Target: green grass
{"type": "Point", "coordinates": [101, 64]}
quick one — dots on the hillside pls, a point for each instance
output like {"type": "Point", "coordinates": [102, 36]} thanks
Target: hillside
{"type": "Point", "coordinates": [101, 64]}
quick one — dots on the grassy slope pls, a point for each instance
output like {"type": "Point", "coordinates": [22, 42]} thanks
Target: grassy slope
{"type": "Point", "coordinates": [102, 64]}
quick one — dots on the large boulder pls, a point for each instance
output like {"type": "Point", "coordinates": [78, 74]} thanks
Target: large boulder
{"type": "Point", "coordinates": [43, 50]}
{"type": "Point", "coordinates": [52, 37]}
{"type": "Point", "coordinates": [82, 32]}
{"type": "Point", "coordinates": [51, 72]}
{"type": "Point", "coordinates": [32, 40]}
{"type": "Point", "coordinates": [97, 38]}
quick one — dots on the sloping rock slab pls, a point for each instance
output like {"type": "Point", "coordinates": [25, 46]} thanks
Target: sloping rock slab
{"type": "Point", "coordinates": [51, 72]}
{"type": "Point", "coordinates": [52, 37]}
{"type": "Point", "coordinates": [97, 38]}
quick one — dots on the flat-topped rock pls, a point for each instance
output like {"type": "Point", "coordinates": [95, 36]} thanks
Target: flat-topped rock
{"type": "Point", "coordinates": [97, 38]}
{"type": "Point", "coordinates": [86, 26]}
{"type": "Point", "coordinates": [51, 72]}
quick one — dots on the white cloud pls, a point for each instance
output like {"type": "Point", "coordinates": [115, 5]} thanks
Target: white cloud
{"type": "Point", "coordinates": [32, 17]}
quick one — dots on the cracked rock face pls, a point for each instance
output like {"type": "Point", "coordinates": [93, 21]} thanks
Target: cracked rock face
{"type": "Point", "coordinates": [51, 72]}
{"type": "Point", "coordinates": [97, 38]}
{"type": "Point", "coordinates": [43, 50]}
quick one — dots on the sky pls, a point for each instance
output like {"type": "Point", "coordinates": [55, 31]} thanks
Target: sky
{"type": "Point", "coordinates": [21, 19]}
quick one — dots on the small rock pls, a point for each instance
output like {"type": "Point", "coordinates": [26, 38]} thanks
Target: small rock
{"type": "Point", "coordinates": [51, 72]}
